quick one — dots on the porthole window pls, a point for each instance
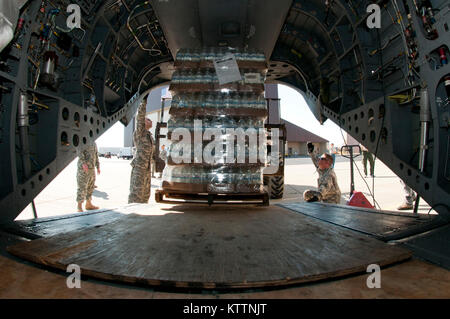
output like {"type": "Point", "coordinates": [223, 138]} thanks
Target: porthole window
{"type": "Point", "coordinates": [64, 139]}
{"type": "Point", "coordinates": [65, 114]}
{"type": "Point", "coordinates": [75, 140]}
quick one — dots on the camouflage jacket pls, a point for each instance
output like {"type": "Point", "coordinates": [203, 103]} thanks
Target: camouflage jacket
{"type": "Point", "coordinates": [143, 140]}
{"type": "Point", "coordinates": [88, 155]}
{"type": "Point", "coordinates": [327, 181]}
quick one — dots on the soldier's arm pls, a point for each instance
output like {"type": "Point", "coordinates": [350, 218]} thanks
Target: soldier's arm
{"type": "Point", "coordinates": [83, 155]}
{"type": "Point", "coordinates": [97, 162]}
{"type": "Point", "coordinates": [314, 158]}
{"type": "Point", "coordinates": [335, 183]}
{"type": "Point", "coordinates": [153, 147]}
{"type": "Point", "coordinates": [140, 119]}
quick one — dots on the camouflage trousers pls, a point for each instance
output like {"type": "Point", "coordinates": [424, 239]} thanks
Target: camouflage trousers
{"type": "Point", "coordinates": [140, 184]}
{"type": "Point", "coordinates": [409, 194]}
{"type": "Point", "coordinates": [153, 168]}
{"type": "Point", "coordinates": [86, 183]}
{"type": "Point", "coordinates": [368, 157]}
{"type": "Point", "coordinates": [315, 196]}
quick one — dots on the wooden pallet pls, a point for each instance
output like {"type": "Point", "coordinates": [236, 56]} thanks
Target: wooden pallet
{"type": "Point", "coordinates": [211, 198]}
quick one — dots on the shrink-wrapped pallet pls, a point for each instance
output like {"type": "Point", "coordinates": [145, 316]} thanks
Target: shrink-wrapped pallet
{"type": "Point", "coordinates": [216, 129]}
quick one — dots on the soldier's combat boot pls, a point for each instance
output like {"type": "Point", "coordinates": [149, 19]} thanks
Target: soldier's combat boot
{"type": "Point", "coordinates": [314, 199]}
{"type": "Point", "coordinates": [89, 206]}
{"type": "Point", "coordinates": [405, 206]}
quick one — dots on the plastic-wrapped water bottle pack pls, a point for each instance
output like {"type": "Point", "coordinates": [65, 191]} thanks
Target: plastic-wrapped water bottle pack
{"type": "Point", "coordinates": [217, 134]}
{"type": "Point", "coordinates": [219, 100]}
{"type": "Point", "coordinates": [210, 54]}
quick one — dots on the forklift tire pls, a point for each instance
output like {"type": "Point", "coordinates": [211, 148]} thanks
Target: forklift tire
{"type": "Point", "coordinates": [275, 186]}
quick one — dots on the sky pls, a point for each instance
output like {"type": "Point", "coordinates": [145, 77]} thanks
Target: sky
{"type": "Point", "coordinates": [112, 137]}
{"type": "Point", "coordinates": [293, 109]}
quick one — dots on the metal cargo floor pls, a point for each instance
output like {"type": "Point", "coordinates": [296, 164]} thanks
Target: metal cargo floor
{"type": "Point", "coordinates": [383, 225]}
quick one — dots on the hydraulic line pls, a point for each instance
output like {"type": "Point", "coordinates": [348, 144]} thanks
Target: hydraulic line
{"type": "Point", "coordinates": [23, 132]}
{"type": "Point", "coordinates": [403, 31]}
{"type": "Point", "coordinates": [425, 119]}
{"type": "Point", "coordinates": [23, 123]}
{"type": "Point", "coordinates": [151, 50]}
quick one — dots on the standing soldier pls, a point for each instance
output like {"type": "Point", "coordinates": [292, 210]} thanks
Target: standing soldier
{"type": "Point", "coordinates": [367, 156]}
{"type": "Point", "coordinates": [87, 161]}
{"type": "Point", "coordinates": [328, 191]}
{"type": "Point", "coordinates": [140, 182]}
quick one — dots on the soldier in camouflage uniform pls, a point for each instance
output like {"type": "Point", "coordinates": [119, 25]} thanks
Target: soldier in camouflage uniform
{"type": "Point", "coordinates": [87, 162]}
{"type": "Point", "coordinates": [410, 197]}
{"type": "Point", "coordinates": [163, 156]}
{"type": "Point", "coordinates": [328, 191]}
{"type": "Point", "coordinates": [140, 182]}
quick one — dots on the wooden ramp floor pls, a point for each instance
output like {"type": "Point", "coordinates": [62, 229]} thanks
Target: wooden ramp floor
{"type": "Point", "coordinates": [50, 226]}
{"type": "Point", "coordinates": [219, 247]}
{"type": "Point", "coordinates": [383, 225]}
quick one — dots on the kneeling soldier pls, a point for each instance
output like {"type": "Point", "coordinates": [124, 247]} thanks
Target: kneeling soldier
{"type": "Point", "coordinates": [328, 188]}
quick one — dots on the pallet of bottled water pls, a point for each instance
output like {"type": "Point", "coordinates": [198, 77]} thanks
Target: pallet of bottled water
{"type": "Point", "coordinates": [204, 58]}
{"type": "Point", "coordinates": [216, 130]}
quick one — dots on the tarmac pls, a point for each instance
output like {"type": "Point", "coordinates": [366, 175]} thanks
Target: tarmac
{"type": "Point", "coordinates": [58, 198]}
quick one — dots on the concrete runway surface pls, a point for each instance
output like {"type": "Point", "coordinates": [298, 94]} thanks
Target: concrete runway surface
{"type": "Point", "coordinates": [58, 198]}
